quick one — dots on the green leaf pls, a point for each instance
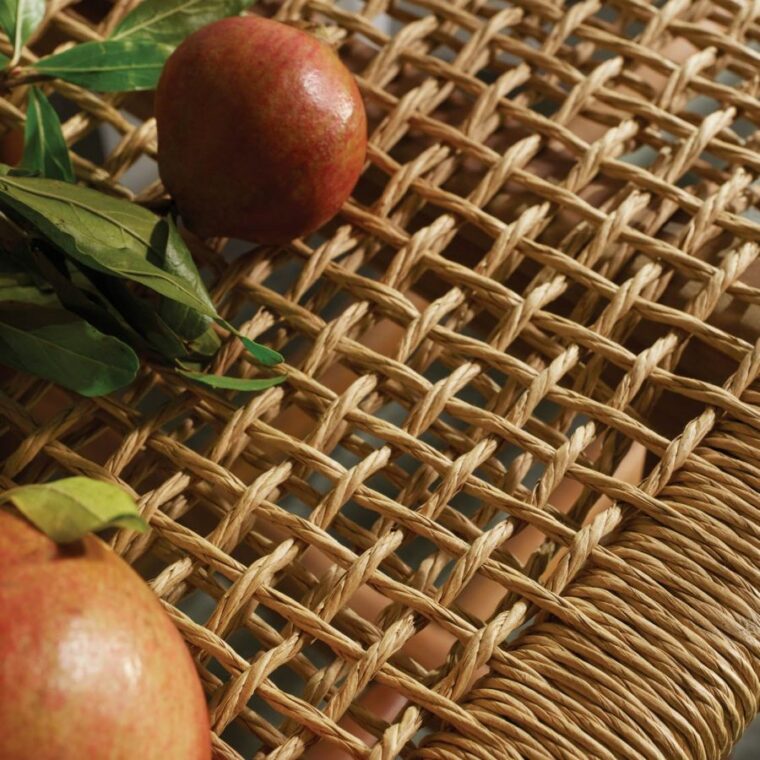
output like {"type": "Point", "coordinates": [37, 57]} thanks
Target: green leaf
{"type": "Point", "coordinates": [71, 508]}
{"type": "Point", "coordinates": [168, 22]}
{"type": "Point", "coordinates": [11, 278]}
{"type": "Point", "coordinates": [19, 19]}
{"type": "Point", "coordinates": [183, 320]}
{"type": "Point", "coordinates": [186, 322]}
{"type": "Point", "coordinates": [54, 344]}
{"type": "Point", "coordinates": [207, 344]}
{"type": "Point", "coordinates": [108, 234]}
{"type": "Point", "coordinates": [108, 66]}
{"type": "Point", "coordinates": [233, 383]}
{"type": "Point", "coordinates": [45, 150]}
{"type": "Point", "coordinates": [17, 269]}
{"type": "Point", "coordinates": [263, 354]}
{"type": "Point", "coordinates": [76, 293]}
{"type": "Point", "coordinates": [18, 286]}
{"type": "Point", "coordinates": [28, 294]}
{"type": "Point", "coordinates": [139, 314]}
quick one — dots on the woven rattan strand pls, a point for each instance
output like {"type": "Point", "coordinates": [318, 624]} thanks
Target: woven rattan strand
{"type": "Point", "coordinates": [506, 505]}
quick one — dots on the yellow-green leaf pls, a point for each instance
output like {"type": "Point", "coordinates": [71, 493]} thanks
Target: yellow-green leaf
{"type": "Point", "coordinates": [70, 508]}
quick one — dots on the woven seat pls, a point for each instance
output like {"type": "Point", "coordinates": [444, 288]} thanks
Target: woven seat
{"type": "Point", "coordinates": [506, 504]}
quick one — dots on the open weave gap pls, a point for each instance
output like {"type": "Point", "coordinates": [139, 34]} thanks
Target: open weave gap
{"type": "Point", "coordinates": [547, 272]}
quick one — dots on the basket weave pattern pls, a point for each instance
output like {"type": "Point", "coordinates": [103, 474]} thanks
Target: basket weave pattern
{"type": "Point", "coordinates": [548, 268]}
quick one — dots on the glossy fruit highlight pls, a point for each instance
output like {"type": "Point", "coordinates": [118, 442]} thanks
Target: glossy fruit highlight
{"type": "Point", "coordinates": [90, 665]}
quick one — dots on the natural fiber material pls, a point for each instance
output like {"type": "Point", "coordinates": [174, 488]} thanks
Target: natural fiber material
{"type": "Point", "coordinates": [425, 544]}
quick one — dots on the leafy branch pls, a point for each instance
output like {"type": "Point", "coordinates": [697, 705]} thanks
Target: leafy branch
{"type": "Point", "coordinates": [89, 282]}
{"type": "Point", "coordinates": [93, 279]}
{"type": "Point", "coordinates": [130, 59]}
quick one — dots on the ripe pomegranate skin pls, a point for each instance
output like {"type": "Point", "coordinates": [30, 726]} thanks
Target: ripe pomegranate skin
{"type": "Point", "coordinates": [262, 131]}
{"type": "Point", "coordinates": [12, 146]}
{"type": "Point", "coordinates": [90, 665]}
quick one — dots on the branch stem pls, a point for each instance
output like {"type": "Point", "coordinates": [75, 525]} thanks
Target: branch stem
{"type": "Point", "coordinates": [11, 79]}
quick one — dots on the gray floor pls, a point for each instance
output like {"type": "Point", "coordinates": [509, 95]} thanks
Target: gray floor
{"type": "Point", "coordinates": [749, 747]}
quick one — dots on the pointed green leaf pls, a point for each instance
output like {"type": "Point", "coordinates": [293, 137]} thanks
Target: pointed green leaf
{"type": "Point", "coordinates": [168, 22]}
{"type": "Point", "coordinates": [232, 383]}
{"type": "Point", "coordinates": [54, 344]}
{"type": "Point", "coordinates": [45, 150]}
{"type": "Point", "coordinates": [183, 320]}
{"type": "Point", "coordinates": [263, 354]}
{"type": "Point", "coordinates": [108, 66]}
{"type": "Point", "coordinates": [108, 234]}
{"type": "Point", "coordinates": [19, 19]}
{"type": "Point", "coordinates": [71, 508]}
